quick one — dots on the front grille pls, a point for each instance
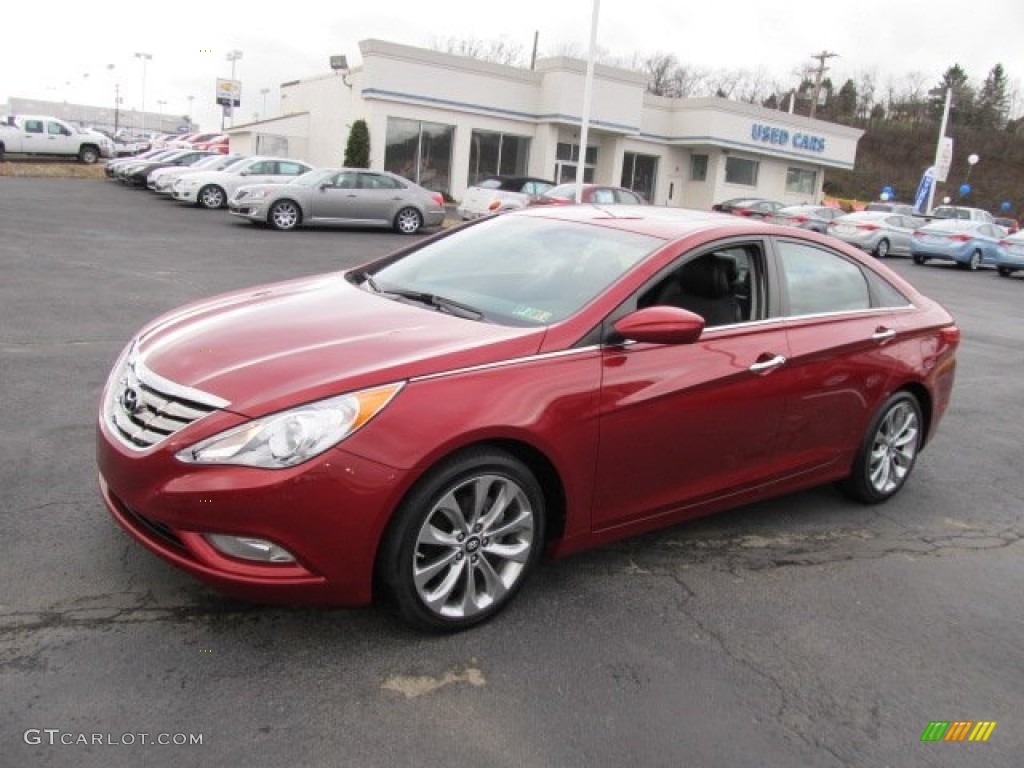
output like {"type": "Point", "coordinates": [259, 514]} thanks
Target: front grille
{"type": "Point", "coordinates": [144, 409]}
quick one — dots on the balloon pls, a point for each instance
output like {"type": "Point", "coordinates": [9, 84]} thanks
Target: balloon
{"type": "Point", "coordinates": [965, 189]}
{"type": "Point", "coordinates": [1005, 206]}
{"type": "Point", "coordinates": [887, 191]}
{"type": "Point", "coordinates": [884, 196]}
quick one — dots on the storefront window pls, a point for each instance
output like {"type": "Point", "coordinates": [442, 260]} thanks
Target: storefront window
{"type": "Point", "coordinates": [420, 151]}
{"type": "Point", "coordinates": [493, 153]}
{"type": "Point", "coordinates": [698, 167]}
{"type": "Point", "coordinates": [800, 181]}
{"type": "Point", "coordinates": [568, 156]}
{"type": "Point", "coordinates": [639, 173]}
{"type": "Point", "coordinates": [739, 170]}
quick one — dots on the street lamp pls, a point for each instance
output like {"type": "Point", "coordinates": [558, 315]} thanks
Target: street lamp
{"type": "Point", "coordinates": [190, 100]}
{"type": "Point", "coordinates": [144, 57]}
{"type": "Point", "coordinates": [161, 103]}
{"type": "Point", "coordinates": [264, 91]}
{"type": "Point", "coordinates": [233, 56]}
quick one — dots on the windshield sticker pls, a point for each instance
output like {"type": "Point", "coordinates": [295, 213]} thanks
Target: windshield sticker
{"type": "Point", "coordinates": [530, 313]}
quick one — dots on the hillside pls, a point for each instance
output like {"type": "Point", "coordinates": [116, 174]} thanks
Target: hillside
{"type": "Point", "coordinates": [897, 155]}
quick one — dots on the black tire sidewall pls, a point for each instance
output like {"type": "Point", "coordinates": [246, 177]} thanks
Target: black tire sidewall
{"type": "Point", "coordinates": [396, 558]}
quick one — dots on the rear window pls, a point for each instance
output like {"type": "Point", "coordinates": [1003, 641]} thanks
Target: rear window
{"type": "Point", "coordinates": [490, 184]}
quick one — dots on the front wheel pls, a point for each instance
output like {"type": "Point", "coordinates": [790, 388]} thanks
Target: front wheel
{"type": "Point", "coordinates": [1005, 271]}
{"type": "Point", "coordinates": [888, 450]}
{"type": "Point", "coordinates": [882, 249]}
{"type": "Point", "coordinates": [88, 155]}
{"type": "Point", "coordinates": [284, 215]}
{"type": "Point", "coordinates": [211, 196]}
{"type": "Point", "coordinates": [464, 541]}
{"type": "Point", "coordinates": [408, 221]}
{"type": "Point", "coordinates": [974, 261]}
{"type": "Point", "coordinates": [918, 259]}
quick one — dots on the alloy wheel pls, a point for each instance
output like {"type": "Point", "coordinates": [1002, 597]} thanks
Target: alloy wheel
{"type": "Point", "coordinates": [894, 448]}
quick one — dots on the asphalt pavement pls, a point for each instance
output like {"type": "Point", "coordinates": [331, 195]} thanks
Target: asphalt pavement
{"type": "Point", "coordinates": [805, 631]}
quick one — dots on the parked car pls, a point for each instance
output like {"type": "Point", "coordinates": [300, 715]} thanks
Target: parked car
{"type": "Point", "coordinates": [876, 232]}
{"type": "Point", "coordinates": [346, 196]}
{"type": "Point", "coordinates": [751, 207]}
{"type": "Point", "coordinates": [1012, 226]}
{"type": "Point", "coordinates": [110, 169]}
{"type": "Point", "coordinates": [212, 189]}
{"type": "Point", "coordinates": [968, 243]}
{"type": "Point", "coordinates": [215, 143]}
{"type": "Point", "coordinates": [961, 212]}
{"type": "Point", "coordinates": [903, 209]}
{"type": "Point", "coordinates": [813, 217]}
{"type": "Point", "coordinates": [594, 194]}
{"type": "Point", "coordinates": [497, 194]}
{"type": "Point", "coordinates": [138, 175]}
{"type": "Point", "coordinates": [1011, 254]}
{"type": "Point", "coordinates": [426, 425]}
{"type": "Point", "coordinates": [41, 135]}
{"type": "Point", "coordinates": [162, 180]}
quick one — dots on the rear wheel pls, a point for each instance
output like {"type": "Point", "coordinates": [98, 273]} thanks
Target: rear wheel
{"type": "Point", "coordinates": [211, 196]}
{"type": "Point", "coordinates": [888, 450]}
{"type": "Point", "coordinates": [284, 215]}
{"type": "Point", "coordinates": [408, 221]}
{"type": "Point", "coordinates": [975, 261]}
{"type": "Point", "coordinates": [464, 540]}
{"type": "Point", "coordinates": [882, 249]}
{"type": "Point", "coordinates": [1005, 271]}
{"type": "Point", "coordinates": [918, 259]}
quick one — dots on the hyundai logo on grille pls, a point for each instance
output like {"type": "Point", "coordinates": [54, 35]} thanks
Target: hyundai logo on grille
{"type": "Point", "coordinates": [130, 400]}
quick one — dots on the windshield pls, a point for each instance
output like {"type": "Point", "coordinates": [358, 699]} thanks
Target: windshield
{"type": "Point", "coordinates": [518, 270]}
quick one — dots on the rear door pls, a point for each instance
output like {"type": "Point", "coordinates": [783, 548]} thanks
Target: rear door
{"type": "Point", "coordinates": [844, 335]}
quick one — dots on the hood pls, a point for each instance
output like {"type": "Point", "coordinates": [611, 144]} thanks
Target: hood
{"type": "Point", "coordinates": [271, 347]}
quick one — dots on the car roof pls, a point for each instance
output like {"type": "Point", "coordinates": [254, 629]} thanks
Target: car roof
{"type": "Point", "coordinates": [657, 221]}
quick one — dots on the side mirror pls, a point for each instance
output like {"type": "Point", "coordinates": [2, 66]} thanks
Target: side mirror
{"type": "Point", "coordinates": [661, 325]}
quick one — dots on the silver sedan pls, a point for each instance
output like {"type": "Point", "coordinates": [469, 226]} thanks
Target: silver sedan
{"type": "Point", "coordinates": [343, 196]}
{"type": "Point", "coordinates": [876, 232]}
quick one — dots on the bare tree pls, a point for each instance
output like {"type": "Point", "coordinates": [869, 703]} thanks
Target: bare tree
{"type": "Point", "coordinates": [499, 50]}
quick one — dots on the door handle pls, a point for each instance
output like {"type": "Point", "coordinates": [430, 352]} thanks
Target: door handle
{"type": "Point", "coordinates": [767, 366]}
{"type": "Point", "coordinates": [883, 334]}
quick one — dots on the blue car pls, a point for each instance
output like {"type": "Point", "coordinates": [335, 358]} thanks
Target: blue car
{"type": "Point", "coordinates": [968, 243]}
{"type": "Point", "coordinates": [1011, 256]}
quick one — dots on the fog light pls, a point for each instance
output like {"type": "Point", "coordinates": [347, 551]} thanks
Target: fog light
{"type": "Point", "coordinates": [248, 548]}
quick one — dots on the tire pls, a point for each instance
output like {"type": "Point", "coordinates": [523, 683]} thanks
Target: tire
{"type": "Point", "coordinates": [888, 451]}
{"type": "Point", "coordinates": [449, 568]}
{"type": "Point", "coordinates": [408, 221]}
{"type": "Point", "coordinates": [974, 262]}
{"type": "Point", "coordinates": [1005, 271]}
{"type": "Point", "coordinates": [919, 260]}
{"type": "Point", "coordinates": [284, 215]}
{"type": "Point", "coordinates": [882, 249]}
{"type": "Point", "coordinates": [211, 196]}
{"type": "Point", "coordinates": [88, 155]}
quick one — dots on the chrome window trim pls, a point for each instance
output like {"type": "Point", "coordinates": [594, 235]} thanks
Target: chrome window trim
{"type": "Point", "coordinates": [506, 363]}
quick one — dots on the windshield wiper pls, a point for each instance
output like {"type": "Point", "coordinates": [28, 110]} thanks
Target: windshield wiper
{"type": "Point", "coordinates": [440, 303]}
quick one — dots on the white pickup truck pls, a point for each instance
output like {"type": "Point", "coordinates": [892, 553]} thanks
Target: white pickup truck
{"type": "Point", "coordinates": [40, 135]}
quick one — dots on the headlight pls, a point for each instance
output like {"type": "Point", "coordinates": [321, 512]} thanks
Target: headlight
{"type": "Point", "coordinates": [291, 437]}
{"type": "Point", "coordinates": [257, 194]}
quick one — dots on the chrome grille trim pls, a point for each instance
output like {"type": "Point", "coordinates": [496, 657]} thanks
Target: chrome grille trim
{"type": "Point", "coordinates": [143, 409]}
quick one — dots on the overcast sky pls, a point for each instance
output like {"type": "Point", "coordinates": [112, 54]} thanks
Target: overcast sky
{"type": "Point", "coordinates": [61, 50]}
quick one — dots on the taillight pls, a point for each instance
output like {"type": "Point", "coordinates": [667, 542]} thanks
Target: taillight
{"type": "Point", "coordinates": [960, 238]}
{"type": "Point", "coordinates": [438, 198]}
{"type": "Point", "coordinates": [1005, 243]}
{"type": "Point", "coordinates": [870, 227]}
{"type": "Point", "coordinates": [495, 205]}
{"type": "Point", "coordinates": [950, 334]}
{"type": "Point", "coordinates": [799, 219]}
{"type": "Point", "coordinates": [918, 233]}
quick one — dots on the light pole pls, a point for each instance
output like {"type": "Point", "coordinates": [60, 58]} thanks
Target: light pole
{"type": "Point", "coordinates": [264, 91]}
{"type": "Point", "coordinates": [190, 100]}
{"type": "Point", "coordinates": [161, 103]}
{"type": "Point", "coordinates": [144, 57]}
{"type": "Point", "coordinates": [233, 57]}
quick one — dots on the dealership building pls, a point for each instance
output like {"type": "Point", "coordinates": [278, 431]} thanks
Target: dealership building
{"type": "Point", "coordinates": [447, 121]}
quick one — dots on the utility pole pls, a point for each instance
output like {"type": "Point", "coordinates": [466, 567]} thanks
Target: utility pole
{"type": "Point", "coordinates": [819, 73]}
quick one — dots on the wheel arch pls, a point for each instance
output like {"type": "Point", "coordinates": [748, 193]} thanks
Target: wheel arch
{"type": "Point", "coordinates": [924, 402]}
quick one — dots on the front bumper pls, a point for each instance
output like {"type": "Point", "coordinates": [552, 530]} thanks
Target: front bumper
{"type": "Point", "coordinates": [329, 513]}
{"type": "Point", "coordinates": [185, 194]}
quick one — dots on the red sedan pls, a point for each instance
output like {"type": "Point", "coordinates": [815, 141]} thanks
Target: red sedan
{"type": "Point", "coordinates": [548, 380]}
{"type": "Point", "coordinates": [598, 194]}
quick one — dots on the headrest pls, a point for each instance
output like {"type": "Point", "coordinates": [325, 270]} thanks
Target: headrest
{"type": "Point", "coordinates": [708, 277]}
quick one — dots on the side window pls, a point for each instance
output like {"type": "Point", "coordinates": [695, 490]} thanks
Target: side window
{"type": "Point", "coordinates": [530, 188]}
{"type": "Point", "coordinates": [376, 181]}
{"type": "Point", "coordinates": [33, 126]}
{"type": "Point", "coordinates": [816, 280]}
{"type": "Point", "coordinates": [723, 286]}
{"type": "Point", "coordinates": [628, 198]}
{"type": "Point", "coordinates": [56, 129]}
{"type": "Point", "coordinates": [290, 169]}
{"type": "Point", "coordinates": [347, 180]}
{"type": "Point", "coordinates": [603, 196]}
{"type": "Point", "coordinates": [883, 293]}
{"type": "Point", "coordinates": [262, 167]}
